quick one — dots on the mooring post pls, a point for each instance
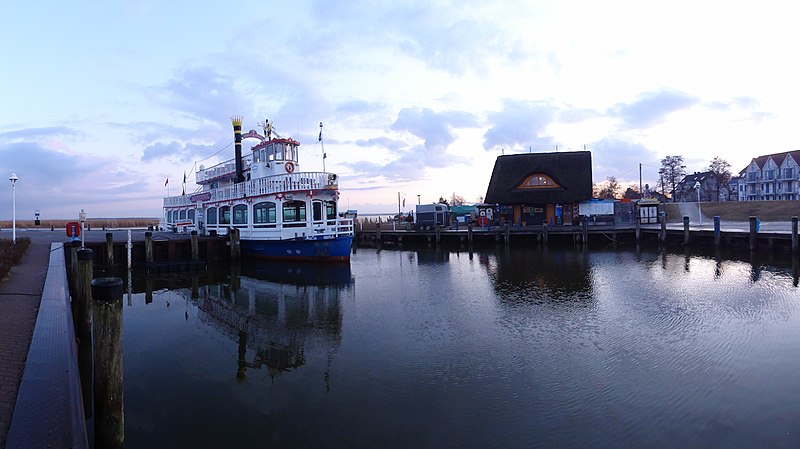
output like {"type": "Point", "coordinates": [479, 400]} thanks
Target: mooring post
{"type": "Point", "coordinates": [585, 230]}
{"type": "Point", "coordinates": [469, 234]}
{"type": "Point", "coordinates": [638, 227]}
{"type": "Point", "coordinates": [753, 233]}
{"type": "Point", "coordinates": [148, 247]}
{"type": "Point", "coordinates": [195, 246]}
{"type": "Point", "coordinates": [663, 234]}
{"type": "Point", "coordinates": [83, 294]}
{"type": "Point", "coordinates": [109, 427]}
{"type": "Point", "coordinates": [794, 234]}
{"type": "Point", "coordinates": [685, 230]}
{"type": "Point", "coordinates": [378, 232]}
{"type": "Point", "coordinates": [438, 235]}
{"type": "Point", "coordinates": [109, 249]}
{"type": "Point", "coordinates": [544, 233]}
{"type": "Point", "coordinates": [507, 234]}
{"type": "Point", "coordinates": [73, 265]}
{"type": "Point", "coordinates": [717, 231]}
{"type": "Point", "coordinates": [235, 247]}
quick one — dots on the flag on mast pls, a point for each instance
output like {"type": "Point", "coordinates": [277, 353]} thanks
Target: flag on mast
{"type": "Point", "coordinates": [166, 183]}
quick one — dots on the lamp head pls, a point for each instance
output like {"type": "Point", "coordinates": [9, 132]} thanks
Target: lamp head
{"type": "Point", "coordinates": [13, 178]}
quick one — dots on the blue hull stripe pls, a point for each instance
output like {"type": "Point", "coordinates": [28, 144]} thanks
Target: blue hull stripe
{"type": "Point", "coordinates": [336, 249]}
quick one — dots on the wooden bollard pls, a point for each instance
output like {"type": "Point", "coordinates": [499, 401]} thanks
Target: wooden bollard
{"type": "Point", "coordinates": [109, 427]}
{"type": "Point", "coordinates": [378, 233]}
{"type": "Point", "coordinates": [83, 294]}
{"type": "Point", "coordinates": [73, 265]}
{"type": "Point", "coordinates": [507, 234]}
{"type": "Point", "coordinates": [544, 233]}
{"type": "Point", "coordinates": [233, 235]}
{"type": "Point", "coordinates": [585, 230]}
{"type": "Point", "coordinates": [753, 233]}
{"type": "Point", "coordinates": [469, 234]}
{"type": "Point", "coordinates": [638, 226]}
{"type": "Point", "coordinates": [686, 234]}
{"type": "Point", "coordinates": [195, 246]}
{"type": "Point", "coordinates": [717, 231]}
{"type": "Point", "coordinates": [148, 247]}
{"type": "Point", "coordinates": [109, 249]}
{"type": "Point", "coordinates": [438, 235]}
{"type": "Point", "coordinates": [663, 234]}
{"type": "Point", "coordinates": [794, 235]}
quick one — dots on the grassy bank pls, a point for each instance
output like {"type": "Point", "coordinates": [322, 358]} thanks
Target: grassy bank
{"type": "Point", "coordinates": [11, 254]}
{"type": "Point", "coordinates": [95, 223]}
{"type": "Point", "coordinates": [742, 210]}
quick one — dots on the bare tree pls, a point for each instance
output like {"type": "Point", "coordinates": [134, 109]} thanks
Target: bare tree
{"type": "Point", "coordinates": [456, 200]}
{"type": "Point", "coordinates": [671, 172]}
{"type": "Point", "coordinates": [721, 172]}
{"type": "Point", "coordinates": [610, 189]}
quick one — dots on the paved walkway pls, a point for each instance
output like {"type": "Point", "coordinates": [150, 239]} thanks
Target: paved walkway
{"type": "Point", "coordinates": [20, 295]}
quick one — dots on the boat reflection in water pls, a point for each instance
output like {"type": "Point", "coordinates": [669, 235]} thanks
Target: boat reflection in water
{"type": "Point", "coordinates": [278, 310]}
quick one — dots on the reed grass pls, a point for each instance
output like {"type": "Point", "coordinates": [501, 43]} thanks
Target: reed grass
{"type": "Point", "coordinates": [11, 253]}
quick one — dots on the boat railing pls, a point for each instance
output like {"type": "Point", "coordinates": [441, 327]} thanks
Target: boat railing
{"type": "Point", "coordinates": [225, 168]}
{"type": "Point", "coordinates": [277, 184]}
{"type": "Point", "coordinates": [334, 228]}
{"type": "Point", "coordinates": [177, 201]}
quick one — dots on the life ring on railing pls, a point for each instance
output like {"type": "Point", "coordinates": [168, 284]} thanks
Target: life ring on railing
{"type": "Point", "coordinates": [289, 167]}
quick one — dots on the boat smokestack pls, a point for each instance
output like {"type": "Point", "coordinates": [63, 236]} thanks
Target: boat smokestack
{"type": "Point", "coordinates": [237, 139]}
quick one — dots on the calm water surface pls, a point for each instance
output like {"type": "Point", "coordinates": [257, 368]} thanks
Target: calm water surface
{"type": "Point", "coordinates": [512, 349]}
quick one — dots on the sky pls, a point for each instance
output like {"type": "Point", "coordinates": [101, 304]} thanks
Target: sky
{"type": "Point", "coordinates": [102, 102]}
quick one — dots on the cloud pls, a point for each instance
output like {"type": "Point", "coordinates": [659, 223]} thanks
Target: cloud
{"type": "Point", "coordinates": [386, 142]}
{"type": "Point", "coordinates": [35, 134]}
{"type": "Point", "coordinates": [205, 93]}
{"type": "Point", "coordinates": [651, 108]}
{"type": "Point", "coordinates": [619, 158]}
{"type": "Point", "coordinates": [519, 123]}
{"type": "Point", "coordinates": [435, 128]}
{"type": "Point", "coordinates": [183, 152]}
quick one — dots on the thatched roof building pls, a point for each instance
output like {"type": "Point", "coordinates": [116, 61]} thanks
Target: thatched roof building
{"type": "Point", "coordinates": [541, 178]}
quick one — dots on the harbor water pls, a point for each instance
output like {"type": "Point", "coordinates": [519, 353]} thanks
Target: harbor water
{"type": "Point", "coordinates": [506, 348]}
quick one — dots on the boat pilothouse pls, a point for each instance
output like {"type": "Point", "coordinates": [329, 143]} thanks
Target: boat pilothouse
{"type": "Point", "coordinates": [280, 211]}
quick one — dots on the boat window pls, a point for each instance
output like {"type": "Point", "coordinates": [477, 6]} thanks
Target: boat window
{"type": "Point", "coordinates": [278, 151]}
{"type": "Point", "coordinates": [240, 214]}
{"type": "Point", "coordinates": [294, 211]}
{"type": "Point", "coordinates": [190, 215]}
{"type": "Point", "coordinates": [330, 210]}
{"type": "Point", "coordinates": [183, 215]}
{"type": "Point", "coordinates": [225, 215]}
{"type": "Point", "coordinates": [289, 152]}
{"type": "Point", "coordinates": [264, 213]}
{"type": "Point", "coordinates": [317, 205]}
{"type": "Point", "coordinates": [211, 215]}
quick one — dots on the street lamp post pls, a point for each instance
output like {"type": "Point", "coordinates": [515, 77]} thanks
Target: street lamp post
{"type": "Point", "coordinates": [699, 214]}
{"type": "Point", "coordinates": [13, 180]}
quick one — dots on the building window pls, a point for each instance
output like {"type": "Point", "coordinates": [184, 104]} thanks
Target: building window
{"type": "Point", "coordinates": [538, 181]}
{"type": "Point", "coordinates": [264, 213]}
{"type": "Point", "coordinates": [751, 177]}
{"type": "Point", "coordinates": [769, 174]}
{"type": "Point", "coordinates": [240, 214]}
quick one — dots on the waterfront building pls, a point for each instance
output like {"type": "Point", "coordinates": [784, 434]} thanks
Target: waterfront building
{"type": "Point", "coordinates": [772, 177]}
{"type": "Point", "coordinates": [537, 188]}
{"type": "Point", "coordinates": [686, 191]}
{"type": "Point", "coordinates": [736, 188]}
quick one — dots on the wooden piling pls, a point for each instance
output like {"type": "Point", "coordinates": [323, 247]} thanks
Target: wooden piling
{"type": "Point", "coordinates": [109, 427]}
{"type": "Point", "coordinates": [236, 249]}
{"type": "Point", "coordinates": [686, 234]}
{"type": "Point", "coordinates": [469, 234]}
{"type": "Point", "coordinates": [73, 266]}
{"type": "Point", "coordinates": [753, 233]}
{"type": "Point", "coordinates": [83, 294]}
{"type": "Point", "coordinates": [794, 235]}
{"type": "Point", "coordinates": [638, 225]}
{"type": "Point", "coordinates": [109, 249]}
{"type": "Point", "coordinates": [544, 233]}
{"type": "Point", "coordinates": [585, 230]}
{"type": "Point", "coordinates": [195, 246]}
{"type": "Point", "coordinates": [438, 235]}
{"type": "Point", "coordinates": [378, 232]}
{"type": "Point", "coordinates": [507, 234]}
{"type": "Point", "coordinates": [717, 231]}
{"type": "Point", "coordinates": [148, 247]}
{"type": "Point", "coordinates": [663, 234]}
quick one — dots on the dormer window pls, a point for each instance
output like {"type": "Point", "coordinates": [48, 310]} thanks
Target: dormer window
{"type": "Point", "coordinates": [538, 181]}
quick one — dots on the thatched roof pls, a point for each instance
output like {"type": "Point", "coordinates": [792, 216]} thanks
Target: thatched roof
{"type": "Point", "coordinates": [571, 171]}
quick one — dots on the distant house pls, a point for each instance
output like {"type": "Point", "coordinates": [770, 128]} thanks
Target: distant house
{"type": "Point", "coordinates": [685, 191]}
{"type": "Point", "coordinates": [772, 177]}
{"type": "Point", "coordinates": [736, 188]}
{"type": "Point", "coordinates": [536, 188]}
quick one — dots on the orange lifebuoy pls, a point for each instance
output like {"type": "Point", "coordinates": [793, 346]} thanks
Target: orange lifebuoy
{"type": "Point", "coordinates": [289, 167]}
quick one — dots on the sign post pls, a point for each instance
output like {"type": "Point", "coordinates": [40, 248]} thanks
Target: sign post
{"type": "Point", "coordinates": [82, 217]}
